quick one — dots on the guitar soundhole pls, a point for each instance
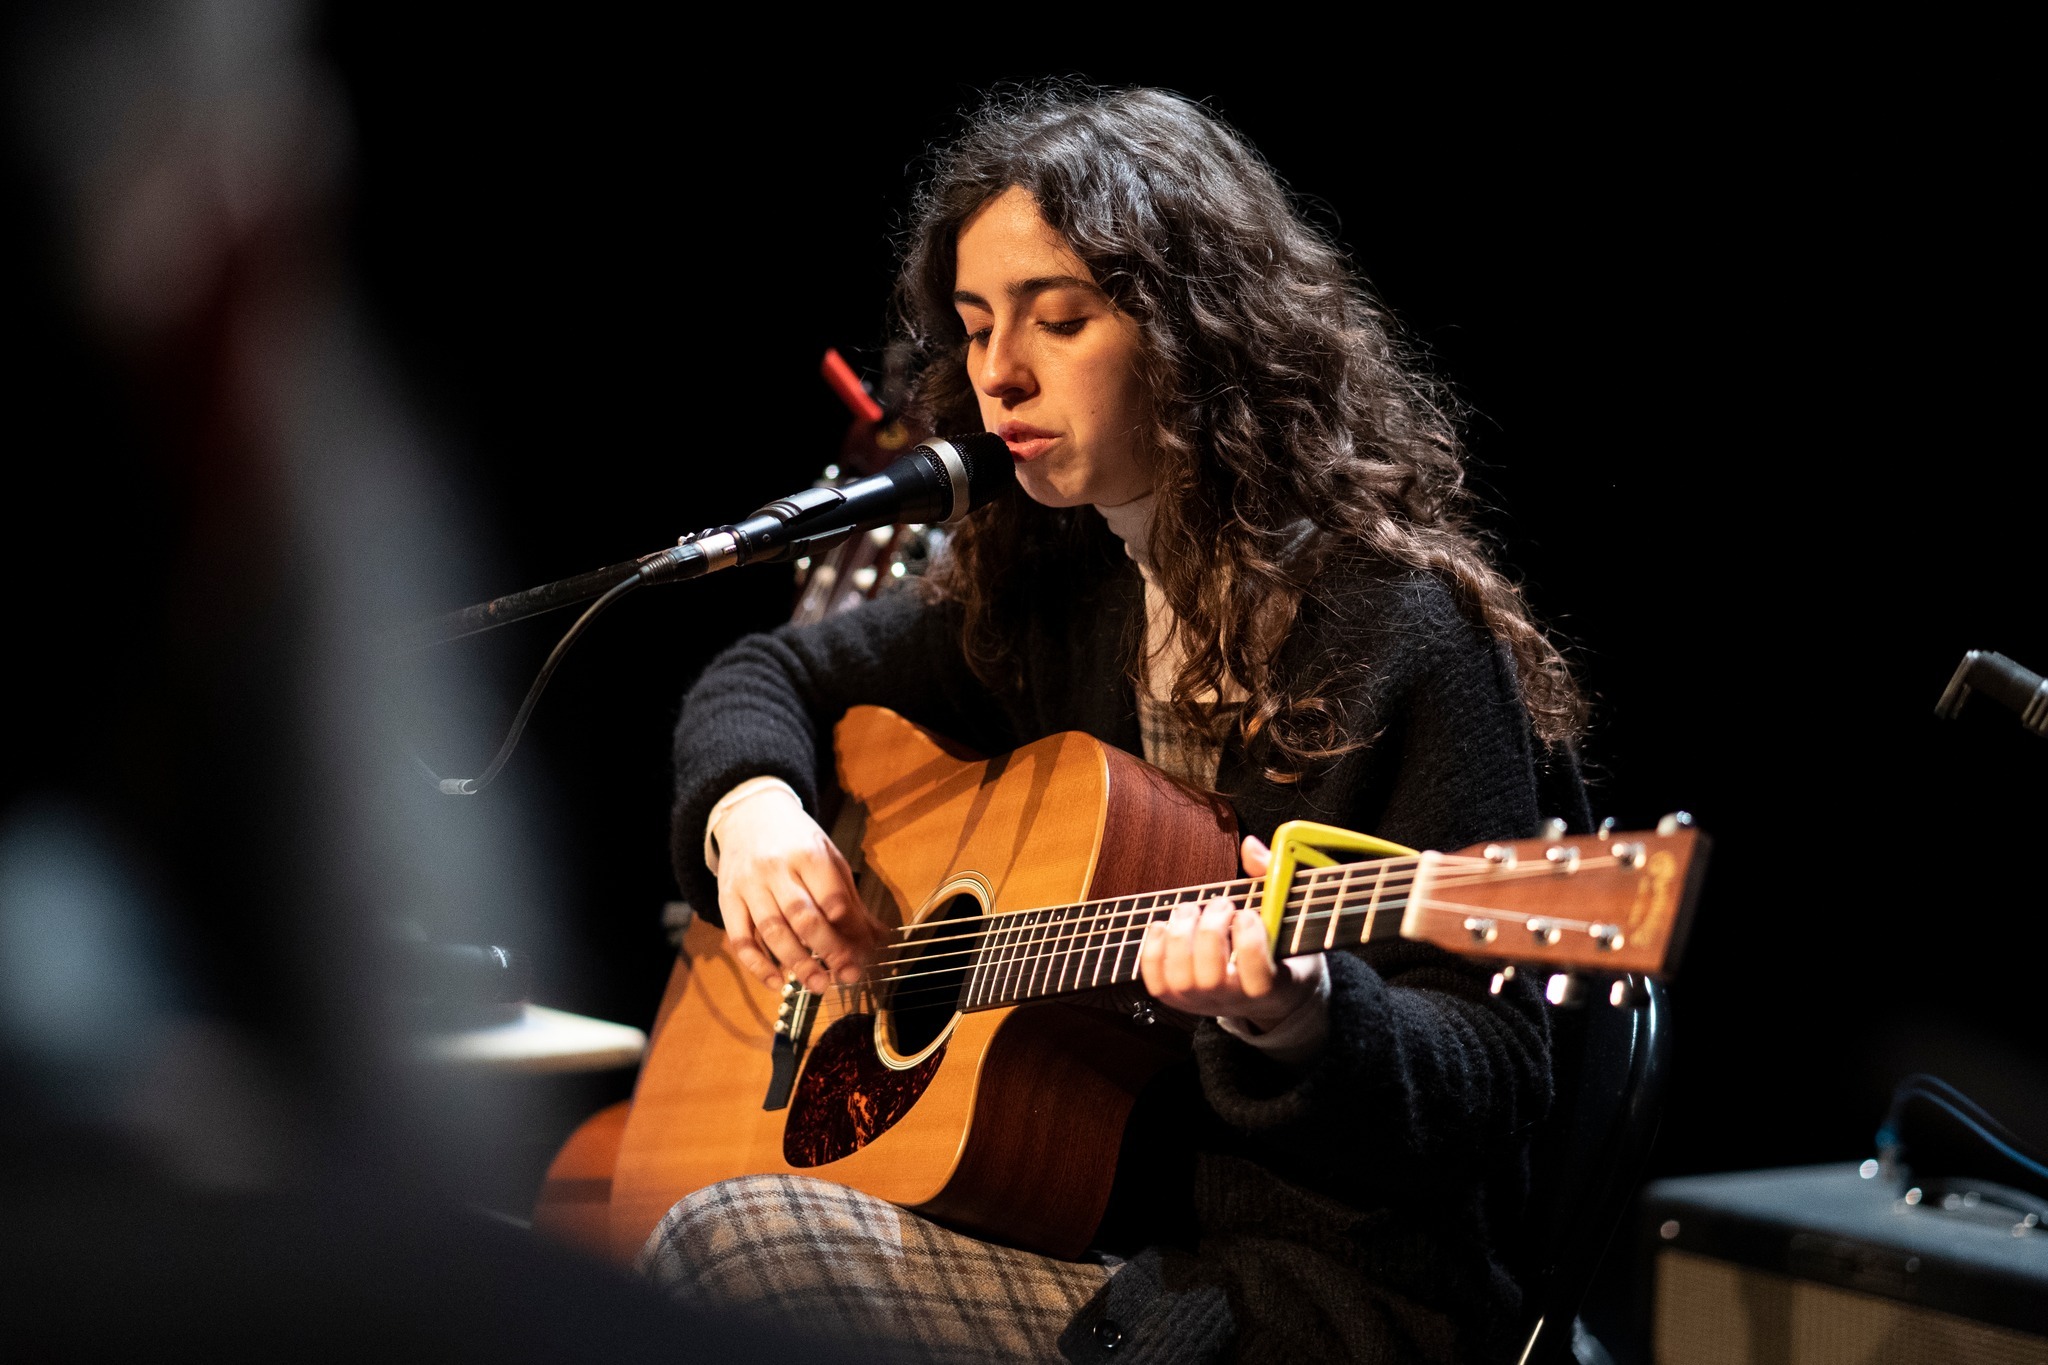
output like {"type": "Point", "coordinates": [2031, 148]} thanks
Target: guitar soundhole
{"type": "Point", "coordinates": [921, 1002]}
{"type": "Point", "coordinates": [848, 1095]}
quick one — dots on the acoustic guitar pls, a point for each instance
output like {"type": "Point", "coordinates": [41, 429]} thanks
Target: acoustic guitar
{"type": "Point", "coordinates": [982, 1072]}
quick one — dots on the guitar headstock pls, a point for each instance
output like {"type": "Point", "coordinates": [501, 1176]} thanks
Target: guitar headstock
{"type": "Point", "coordinates": [1610, 902]}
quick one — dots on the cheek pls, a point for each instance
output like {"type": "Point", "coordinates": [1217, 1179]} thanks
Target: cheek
{"type": "Point", "coordinates": [1116, 391]}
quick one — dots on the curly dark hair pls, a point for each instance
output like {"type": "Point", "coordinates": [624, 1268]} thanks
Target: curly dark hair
{"type": "Point", "coordinates": [1282, 394]}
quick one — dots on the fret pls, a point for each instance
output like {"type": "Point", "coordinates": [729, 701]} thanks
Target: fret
{"type": "Point", "coordinates": [1073, 944]}
{"type": "Point", "coordinates": [1132, 930]}
{"type": "Point", "coordinates": [1031, 952]}
{"type": "Point", "coordinates": [1075, 967]}
{"type": "Point", "coordinates": [1052, 951]}
{"type": "Point", "coordinates": [1372, 905]}
{"type": "Point", "coordinates": [994, 961]}
{"type": "Point", "coordinates": [1293, 912]}
{"type": "Point", "coordinates": [1098, 939]}
{"type": "Point", "coordinates": [1006, 983]}
{"type": "Point", "coordinates": [1055, 949]}
{"type": "Point", "coordinates": [1143, 910]}
{"type": "Point", "coordinates": [1067, 925]}
{"type": "Point", "coordinates": [977, 981]}
{"type": "Point", "coordinates": [1336, 910]}
{"type": "Point", "coordinates": [1300, 923]}
{"type": "Point", "coordinates": [997, 955]}
{"type": "Point", "coordinates": [1330, 888]}
{"type": "Point", "coordinates": [989, 966]}
{"type": "Point", "coordinates": [1107, 968]}
{"type": "Point", "coordinates": [1104, 927]}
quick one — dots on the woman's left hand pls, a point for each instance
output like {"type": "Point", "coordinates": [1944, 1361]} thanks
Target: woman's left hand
{"type": "Point", "coordinates": [1213, 960]}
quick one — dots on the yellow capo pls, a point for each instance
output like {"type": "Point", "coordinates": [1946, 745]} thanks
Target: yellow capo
{"type": "Point", "coordinates": [1304, 843]}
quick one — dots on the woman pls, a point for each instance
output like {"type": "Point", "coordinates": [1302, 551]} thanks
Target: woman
{"type": "Point", "coordinates": [1239, 551]}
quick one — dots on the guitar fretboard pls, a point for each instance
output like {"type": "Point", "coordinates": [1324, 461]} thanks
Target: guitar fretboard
{"type": "Point", "coordinates": [1027, 955]}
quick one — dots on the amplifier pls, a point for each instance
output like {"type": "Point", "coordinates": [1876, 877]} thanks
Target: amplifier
{"type": "Point", "coordinates": [1827, 1265]}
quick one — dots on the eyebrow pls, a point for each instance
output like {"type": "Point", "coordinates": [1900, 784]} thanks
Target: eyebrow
{"type": "Point", "coordinates": [1038, 284]}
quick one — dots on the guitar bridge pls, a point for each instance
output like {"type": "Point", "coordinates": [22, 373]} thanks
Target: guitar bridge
{"type": "Point", "coordinates": [792, 1035]}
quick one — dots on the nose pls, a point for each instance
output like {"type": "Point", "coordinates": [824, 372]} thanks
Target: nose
{"type": "Point", "coordinates": [1005, 370]}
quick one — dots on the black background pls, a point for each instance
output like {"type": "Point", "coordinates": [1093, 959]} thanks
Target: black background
{"type": "Point", "coordinates": [1745, 339]}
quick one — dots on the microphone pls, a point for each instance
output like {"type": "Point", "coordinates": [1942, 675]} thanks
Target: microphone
{"type": "Point", "coordinates": [2019, 689]}
{"type": "Point", "coordinates": [938, 482]}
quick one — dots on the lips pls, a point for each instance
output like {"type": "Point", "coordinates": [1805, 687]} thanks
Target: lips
{"type": "Point", "coordinates": [1025, 441]}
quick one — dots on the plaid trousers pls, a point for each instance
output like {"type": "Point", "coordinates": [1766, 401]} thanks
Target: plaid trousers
{"type": "Point", "coordinates": [831, 1261]}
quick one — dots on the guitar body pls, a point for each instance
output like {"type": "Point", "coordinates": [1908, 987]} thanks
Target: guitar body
{"type": "Point", "coordinates": [1002, 1122]}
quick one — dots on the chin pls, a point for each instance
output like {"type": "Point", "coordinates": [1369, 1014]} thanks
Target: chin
{"type": "Point", "coordinates": [1048, 492]}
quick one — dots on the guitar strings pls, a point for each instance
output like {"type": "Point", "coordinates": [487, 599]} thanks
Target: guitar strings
{"type": "Point", "coordinates": [1307, 880]}
{"type": "Point", "coordinates": [984, 927]}
{"type": "Point", "coordinates": [1073, 952]}
{"type": "Point", "coordinates": [1017, 977]}
{"type": "Point", "coordinates": [1459, 872]}
{"type": "Point", "coordinates": [1080, 936]}
{"type": "Point", "coordinates": [963, 991]}
{"type": "Point", "coordinates": [1075, 938]}
{"type": "Point", "coordinates": [1307, 885]}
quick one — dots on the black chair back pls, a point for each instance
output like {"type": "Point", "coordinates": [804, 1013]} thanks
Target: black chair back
{"type": "Point", "coordinates": [1609, 1061]}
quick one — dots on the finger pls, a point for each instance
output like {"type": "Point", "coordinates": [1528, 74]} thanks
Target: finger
{"type": "Point", "coordinates": [1250, 956]}
{"type": "Point", "coordinates": [780, 939]}
{"type": "Point", "coordinates": [807, 919]}
{"type": "Point", "coordinates": [842, 871]}
{"type": "Point", "coordinates": [848, 920]}
{"type": "Point", "coordinates": [826, 876]}
{"type": "Point", "coordinates": [1209, 949]}
{"type": "Point", "coordinates": [840, 952]}
{"type": "Point", "coordinates": [1258, 859]}
{"type": "Point", "coordinates": [860, 924]}
{"type": "Point", "coordinates": [744, 938]}
{"type": "Point", "coordinates": [1152, 959]}
{"type": "Point", "coordinates": [1177, 967]}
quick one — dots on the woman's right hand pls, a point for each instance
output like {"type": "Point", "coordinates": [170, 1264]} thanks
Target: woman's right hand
{"type": "Point", "coordinates": [787, 896]}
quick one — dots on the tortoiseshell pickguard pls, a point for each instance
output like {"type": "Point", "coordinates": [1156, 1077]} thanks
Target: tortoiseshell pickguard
{"type": "Point", "coordinates": [848, 1096]}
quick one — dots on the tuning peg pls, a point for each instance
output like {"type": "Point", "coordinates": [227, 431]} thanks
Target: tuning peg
{"type": "Point", "coordinates": [1606, 830]}
{"type": "Point", "coordinates": [1621, 994]}
{"type": "Point", "coordinates": [1501, 979]}
{"type": "Point", "coordinates": [1674, 822]}
{"type": "Point", "coordinates": [1553, 828]}
{"type": "Point", "coordinates": [1565, 990]}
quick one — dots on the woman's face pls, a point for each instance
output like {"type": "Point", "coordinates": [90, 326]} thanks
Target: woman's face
{"type": "Point", "coordinates": [1053, 361]}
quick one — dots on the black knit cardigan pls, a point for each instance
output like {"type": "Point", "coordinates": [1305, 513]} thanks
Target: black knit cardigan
{"type": "Point", "coordinates": [1368, 1207]}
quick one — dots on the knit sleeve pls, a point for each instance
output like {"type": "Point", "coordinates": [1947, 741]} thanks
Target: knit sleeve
{"type": "Point", "coordinates": [767, 705]}
{"type": "Point", "coordinates": [1425, 1078]}
{"type": "Point", "coordinates": [1425, 1069]}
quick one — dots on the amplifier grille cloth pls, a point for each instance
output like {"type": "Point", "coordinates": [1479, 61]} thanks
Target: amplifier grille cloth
{"type": "Point", "coordinates": [1713, 1312]}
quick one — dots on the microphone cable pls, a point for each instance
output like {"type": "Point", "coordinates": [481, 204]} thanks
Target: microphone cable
{"type": "Point", "coordinates": [470, 786]}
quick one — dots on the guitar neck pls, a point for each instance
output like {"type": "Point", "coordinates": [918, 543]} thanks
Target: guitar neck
{"type": "Point", "coordinates": [1026, 955]}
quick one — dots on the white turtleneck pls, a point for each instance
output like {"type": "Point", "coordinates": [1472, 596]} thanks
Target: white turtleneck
{"type": "Point", "coordinates": [1168, 746]}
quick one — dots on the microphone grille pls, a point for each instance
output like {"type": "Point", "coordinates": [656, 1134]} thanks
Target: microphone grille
{"type": "Point", "coordinates": [990, 470]}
